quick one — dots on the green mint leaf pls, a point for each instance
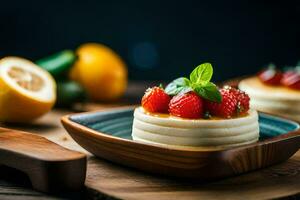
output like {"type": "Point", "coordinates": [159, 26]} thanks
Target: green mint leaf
{"type": "Point", "coordinates": [185, 90]}
{"type": "Point", "coordinates": [182, 81]}
{"type": "Point", "coordinates": [179, 85]}
{"type": "Point", "coordinates": [202, 74]}
{"type": "Point", "coordinates": [271, 66]}
{"type": "Point", "coordinates": [209, 92]}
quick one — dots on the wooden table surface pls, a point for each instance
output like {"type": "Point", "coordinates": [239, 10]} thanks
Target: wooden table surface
{"type": "Point", "coordinates": [106, 180]}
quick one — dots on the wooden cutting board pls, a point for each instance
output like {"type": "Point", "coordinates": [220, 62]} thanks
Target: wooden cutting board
{"type": "Point", "coordinates": [105, 179]}
{"type": "Point", "coordinates": [50, 167]}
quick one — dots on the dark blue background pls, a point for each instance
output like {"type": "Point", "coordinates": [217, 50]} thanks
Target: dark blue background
{"type": "Point", "coordinates": [159, 39]}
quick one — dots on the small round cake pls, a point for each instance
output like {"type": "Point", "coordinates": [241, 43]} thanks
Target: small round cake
{"type": "Point", "coordinates": [194, 113]}
{"type": "Point", "coordinates": [279, 100]}
{"type": "Point", "coordinates": [170, 130]}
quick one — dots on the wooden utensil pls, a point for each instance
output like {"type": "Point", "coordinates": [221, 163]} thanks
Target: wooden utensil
{"type": "Point", "coordinates": [50, 167]}
{"type": "Point", "coordinates": [108, 135]}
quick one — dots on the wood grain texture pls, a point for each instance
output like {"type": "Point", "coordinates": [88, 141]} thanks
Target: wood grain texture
{"type": "Point", "coordinates": [106, 180]}
{"type": "Point", "coordinates": [50, 167]}
{"type": "Point", "coordinates": [185, 162]}
{"type": "Point", "coordinates": [278, 181]}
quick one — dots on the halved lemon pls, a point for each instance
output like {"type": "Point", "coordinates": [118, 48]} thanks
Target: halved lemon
{"type": "Point", "coordinates": [26, 90]}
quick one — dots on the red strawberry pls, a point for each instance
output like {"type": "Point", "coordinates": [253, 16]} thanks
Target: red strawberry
{"type": "Point", "coordinates": [243, 100]}
{"type": "Point", "coordinates": [188, 105]}
{"type": "Point", "coordinates": [288, 73]}
{"type": "Point", "coordinates": [156, 100]}
{"type": "Point", "coordinates": [227, 108]}
{"type": "Point", "coordinates": [270, 76]}
{"type": "Point", "coordinates": [291, 79]}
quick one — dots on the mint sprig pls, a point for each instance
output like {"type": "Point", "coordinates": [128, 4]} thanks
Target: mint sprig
{"type": "Point", "coordinates": [179, 85]}
{"type": "Point", "coordinates": [199, 82]}
{"type": "Point", "coordinates": [202, 74]}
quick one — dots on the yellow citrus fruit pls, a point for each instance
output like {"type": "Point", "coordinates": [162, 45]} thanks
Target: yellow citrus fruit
{"type": "Point", "coordinates": [26, 90]}
{"type": "Point", "coordinates": [101, 72]}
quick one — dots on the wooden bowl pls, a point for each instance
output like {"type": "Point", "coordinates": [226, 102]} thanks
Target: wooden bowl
{"type": "Point", "coordinates": [108, 135]}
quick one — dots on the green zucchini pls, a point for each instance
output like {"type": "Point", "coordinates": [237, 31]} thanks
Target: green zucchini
{"type": "Point", "coordinates": [69, 92]}
{"type": "Point", "coordinates": [58, 64]}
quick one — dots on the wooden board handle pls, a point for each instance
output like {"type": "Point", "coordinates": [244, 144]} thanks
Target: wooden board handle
{"type": "Point", "coordinates": [50, 167]}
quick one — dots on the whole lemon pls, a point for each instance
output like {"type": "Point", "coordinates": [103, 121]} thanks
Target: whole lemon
{"type": "Point", "coordinates": [100, 71]}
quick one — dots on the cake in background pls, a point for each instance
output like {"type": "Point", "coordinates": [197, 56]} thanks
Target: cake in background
{"type": "Point", "coordinates": [275, 91]}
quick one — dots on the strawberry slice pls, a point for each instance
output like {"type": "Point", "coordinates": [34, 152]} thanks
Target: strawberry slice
{"type": "Point", "coordinates": [291, 79]}
{"type": "Point", "coordinates": [227, 108]}
{"type": "Point", "coordinates": [188, 105]}
{"type": "Point", "coordinates": [270, 76]}
{"type": "Point", "coordinates": [156, 100]}
{"type": "Point", "coordinates": [243, 100]}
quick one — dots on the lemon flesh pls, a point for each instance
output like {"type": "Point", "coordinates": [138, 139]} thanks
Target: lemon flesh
{"type": "Point", "coordinates": [26, 90]}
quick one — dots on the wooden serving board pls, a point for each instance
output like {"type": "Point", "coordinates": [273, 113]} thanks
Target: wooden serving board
{"type": "Point", "coordinates": [105, 179]}
{"type": "Point", "coordinates": [278, 181]}
{"type": "Point", "coordinates": [50, 167]}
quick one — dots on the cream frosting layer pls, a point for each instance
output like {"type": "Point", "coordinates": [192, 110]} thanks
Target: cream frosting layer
{"type": "Point", "coordinates": [277, 100]}
{"type": "Point", "coordinates": [176, 131]}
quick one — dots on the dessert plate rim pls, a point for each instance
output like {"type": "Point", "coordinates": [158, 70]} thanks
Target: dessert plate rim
{"type": "Point", "coordinates": [174, 162]}
{"type": "Point", "coordinates": [68, 121]}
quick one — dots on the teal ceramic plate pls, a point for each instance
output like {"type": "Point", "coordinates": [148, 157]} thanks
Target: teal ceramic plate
{"type": "Point", "coordinates": [108, 135]}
